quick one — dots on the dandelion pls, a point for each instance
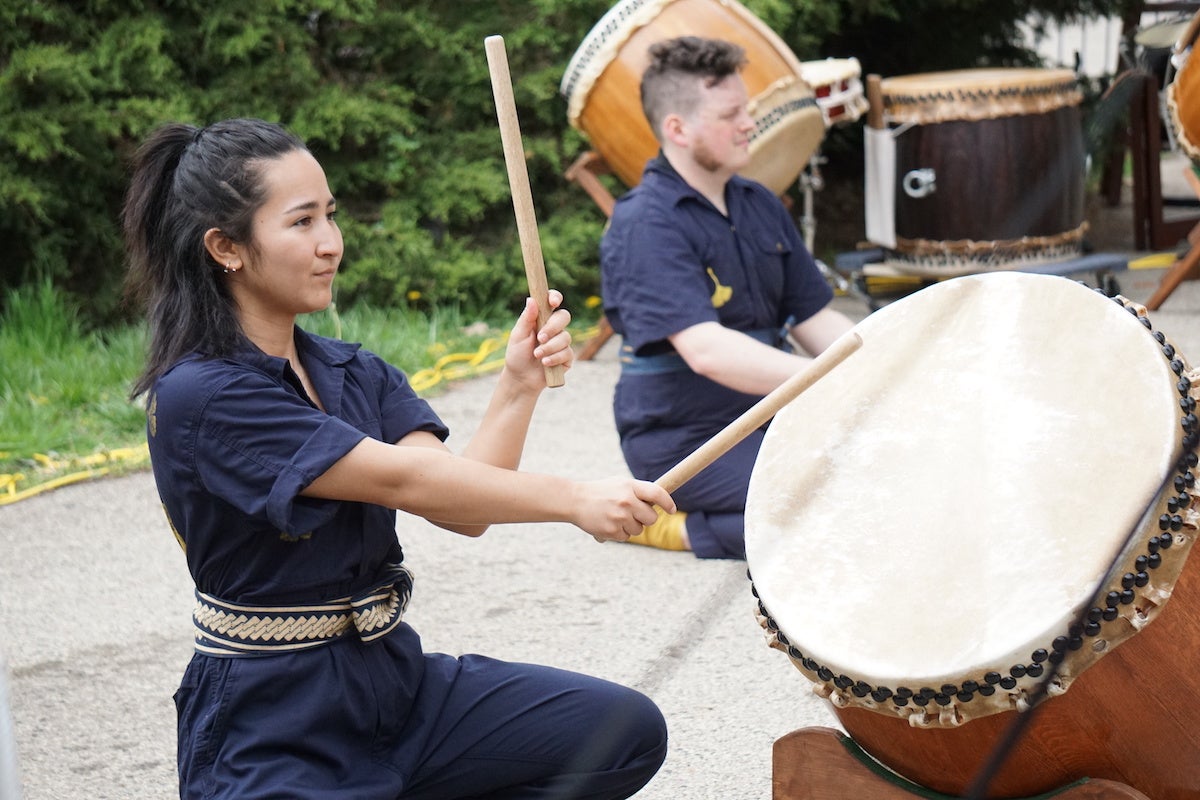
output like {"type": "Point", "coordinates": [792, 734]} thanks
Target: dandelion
{"type": "Point", "coordinates": [593, 301]}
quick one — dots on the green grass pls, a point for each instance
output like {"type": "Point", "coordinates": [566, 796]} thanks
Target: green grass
{"type": "Point", "coordinates": [64, 390]}
{"type": "Point", "coordinates": [412, 340]}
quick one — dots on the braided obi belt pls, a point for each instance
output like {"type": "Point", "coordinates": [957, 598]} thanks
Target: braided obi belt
{"type": "Point", "coordinates": [671, 361]}
{"type": "Point", "coordinates": [233, 630]}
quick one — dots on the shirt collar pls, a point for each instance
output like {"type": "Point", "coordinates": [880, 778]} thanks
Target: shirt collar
{"type": "Point", "coordinates": [675, 189]}
{"type": "Point", "coordinates": [332, 352]}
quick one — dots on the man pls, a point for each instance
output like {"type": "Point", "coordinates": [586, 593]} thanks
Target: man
{"type": "Point", "coordinates": [703, 274]}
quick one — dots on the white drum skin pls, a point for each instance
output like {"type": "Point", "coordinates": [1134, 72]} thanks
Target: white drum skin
{"type": "Point", "coordinates": [940, 508]}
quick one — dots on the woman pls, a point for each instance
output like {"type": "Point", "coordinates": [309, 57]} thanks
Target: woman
{"type": "Point", "coordinates": [280, 458]}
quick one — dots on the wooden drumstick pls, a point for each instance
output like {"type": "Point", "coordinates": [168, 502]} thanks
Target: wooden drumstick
{"type": "Point", "coordinates": [518, 180]}
{"type": "Point", "coordinates": [759, 413]}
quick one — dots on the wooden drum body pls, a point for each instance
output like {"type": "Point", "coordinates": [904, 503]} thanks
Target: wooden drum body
{"type": "Point", "coordinates": [995, 489]}
{"type": "Point", "coordinates": [1183, 94]}
{"type": "Point", "coordinates": [990, 169]}
{"type": "Point", "coordinates": [602, 86]}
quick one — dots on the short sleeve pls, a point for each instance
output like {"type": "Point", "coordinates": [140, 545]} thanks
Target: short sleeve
{"type": "Point", "coordinates": [247, 440]}
{"type": "Point", "coordinates": [260, 445]}
{"type": "Point", "coordinates": [654, 277]}
{"type": "Point", "coordinates": [401, 411]}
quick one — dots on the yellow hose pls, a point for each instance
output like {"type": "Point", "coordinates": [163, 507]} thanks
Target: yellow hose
{"type": "Point", "coordinates": [17, 486]}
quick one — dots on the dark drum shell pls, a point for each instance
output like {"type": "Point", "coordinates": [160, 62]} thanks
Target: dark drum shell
{"type": "Point", "coordinates": [1008, 185]}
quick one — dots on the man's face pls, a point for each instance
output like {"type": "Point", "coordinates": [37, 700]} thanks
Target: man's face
{"type": "Point", "coordinates": [720, 127]}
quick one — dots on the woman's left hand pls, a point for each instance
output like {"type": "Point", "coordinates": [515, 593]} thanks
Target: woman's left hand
{"type": "Point", "coordinates": [531, 350]}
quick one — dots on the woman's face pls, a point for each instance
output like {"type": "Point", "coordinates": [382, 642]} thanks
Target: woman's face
{"type": "Point", "coordinates": [297, 243]}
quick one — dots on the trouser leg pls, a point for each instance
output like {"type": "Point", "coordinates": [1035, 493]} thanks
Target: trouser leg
{"type": "Point", "coordinates": [507, 730]}
{"type": "Point", "coordinates": [715, 498]}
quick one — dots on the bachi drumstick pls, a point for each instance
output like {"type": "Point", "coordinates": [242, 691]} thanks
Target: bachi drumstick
{"type": "Point", "coordinates": [518, 179]}
{"type": "Point", "coordinates": [759, 413]}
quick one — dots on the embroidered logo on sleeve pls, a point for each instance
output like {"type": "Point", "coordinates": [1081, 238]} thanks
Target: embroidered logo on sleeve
{"type": "Point", "coordinates": [721, 293]}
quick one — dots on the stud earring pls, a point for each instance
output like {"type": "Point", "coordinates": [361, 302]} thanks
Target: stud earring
{"type": "Point", "coordinates": [229, 267]}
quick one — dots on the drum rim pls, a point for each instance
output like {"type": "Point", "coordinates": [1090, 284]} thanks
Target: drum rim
{"type": "Point", "coordinates": [785, 101]}
{"type": "Point", "coordinates": [601, 45]}
{"type": "Point", "coordinates": [1181, 22]}
{"type": "Point", "coordinates": [1182, 52]}
{"type": "Point", "coordinates": [991, 77]}
{"type": "Point", "coordinates": [964, 256]}
{"type": "Point", "coordinates": [1190, 148]}
{"type": "Point", "coordinates": [799, 115]}
{"type": "Point", "coordinates": [854, 69]}
{"type": "Point", "coordinates": [932, 102]}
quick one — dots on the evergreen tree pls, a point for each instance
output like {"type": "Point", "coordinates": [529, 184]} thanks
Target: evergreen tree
{"type": "Point", "coordinates": [395, 99]}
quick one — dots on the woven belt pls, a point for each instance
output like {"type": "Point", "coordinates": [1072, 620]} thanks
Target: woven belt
{"type": "Point", "coordinates": [229, 629]}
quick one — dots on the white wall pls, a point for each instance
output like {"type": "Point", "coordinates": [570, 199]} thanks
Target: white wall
{"type": "Point", "coordinates": [1096, 41]}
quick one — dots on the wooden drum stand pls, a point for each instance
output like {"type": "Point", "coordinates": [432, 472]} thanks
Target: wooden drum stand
{"type": "Point", "coordinates": [824, 764]}
{"type": "Point", "coordinates": [1186, 266]}
{"type": "Point", "coordinates": [585, 171]}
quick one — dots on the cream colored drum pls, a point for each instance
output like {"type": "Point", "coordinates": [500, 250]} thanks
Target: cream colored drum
{"type": "Point", "coordinates": [927, 524]}
{"type": "Point", "coordinates": [1161, 35]}
{"type": "Point", "coordinates": [603, 79]}
{"type": "Point", "coordinates": [837, 83]}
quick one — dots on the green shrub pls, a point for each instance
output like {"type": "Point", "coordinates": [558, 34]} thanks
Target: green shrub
{"type": "Point", "coordinates": [395, 99]}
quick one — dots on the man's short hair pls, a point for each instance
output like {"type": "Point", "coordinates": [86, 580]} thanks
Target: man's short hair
{"type": "Point", "coordinates": [669, 82]}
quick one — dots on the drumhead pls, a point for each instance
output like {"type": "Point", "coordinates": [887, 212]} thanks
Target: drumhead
{"type": "Point", "coordinates": [946, 501]}
{"type": "Point", "coordinates": [974, 94]}
{"type": "Point", "coordinates": [1161, 35]}
{"type": "Point", "coordinates": [827, 71]}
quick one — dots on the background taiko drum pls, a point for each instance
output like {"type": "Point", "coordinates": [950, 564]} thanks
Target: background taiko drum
{"type": "Point", "coordinates": [990, 168]}
{"type": "Point", "coordinates": [602, 86]}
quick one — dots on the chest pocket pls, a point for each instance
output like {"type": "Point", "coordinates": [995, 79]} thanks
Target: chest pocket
{"type": "Point", "coordinates": [746, 277]}
{"type": "Point", "coordinates": [769, 255]}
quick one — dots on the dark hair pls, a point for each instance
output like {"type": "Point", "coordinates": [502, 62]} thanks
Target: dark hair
{"type": "Point", "coordinates": [185, 181]}
{"type": "Point", "coordinates": [668, 84]}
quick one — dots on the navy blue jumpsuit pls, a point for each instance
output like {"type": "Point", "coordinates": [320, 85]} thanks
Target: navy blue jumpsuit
{"type": "Point", "coordinates": [233, 442]}
{"type": "Point", "coordinates": [670, 260]}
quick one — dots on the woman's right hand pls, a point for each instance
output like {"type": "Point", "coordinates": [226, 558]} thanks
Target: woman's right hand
{"type": "Point", "coordinates": [616, 508]}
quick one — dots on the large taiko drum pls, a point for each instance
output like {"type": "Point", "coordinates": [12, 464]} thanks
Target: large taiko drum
{"type": "Point", "coordinates": [999, 484]}
{"type": "Point", "coordinates": [1183, 93]}
{"type": "Point", "coordinates": [603, 79]}
{"type": "Point", "coordinates": [990, 169]}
